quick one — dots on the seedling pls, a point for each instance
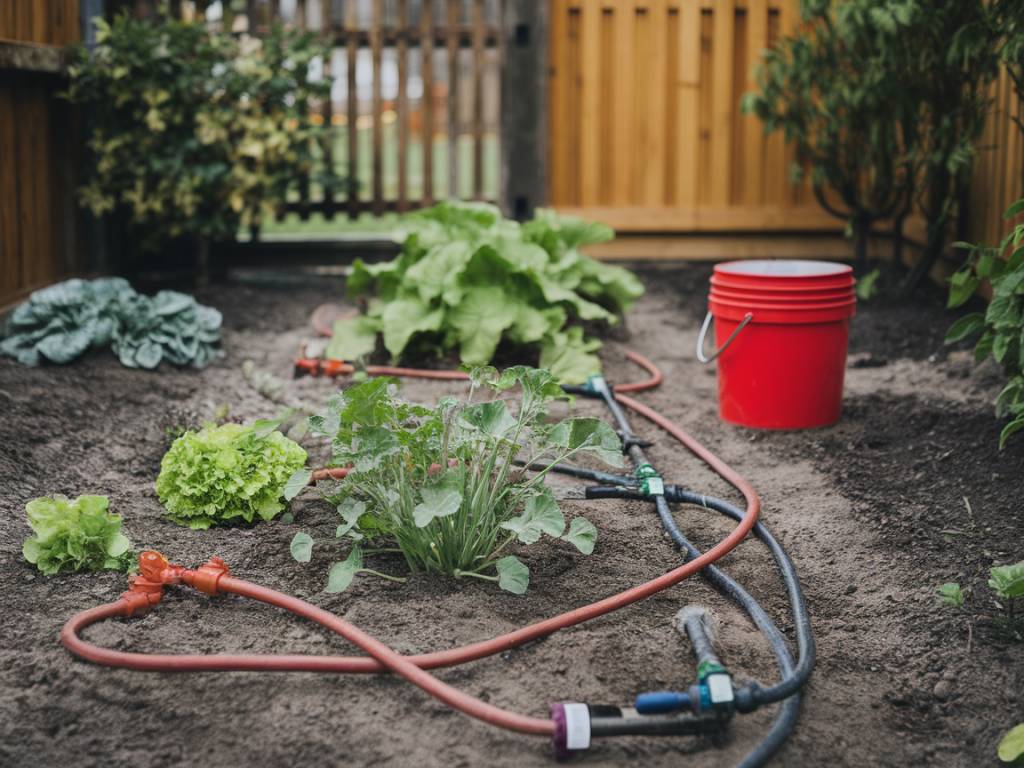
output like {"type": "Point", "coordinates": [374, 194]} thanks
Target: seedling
{"type": "Point", "coordinates": [951, 594]}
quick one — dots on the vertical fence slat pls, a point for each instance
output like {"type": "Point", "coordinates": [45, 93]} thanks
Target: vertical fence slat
{"type": "Point", "coordinates": [657, 73]}
{"type": "Point", "coordinates": [427, 52]}
{"type": "Point", "coordinates": [688, 86]}
{"type": "Point", "coordinates": [479, 68]}
{"type": "Point", "coordinates": [557, 108]}
{"type": "Point", "coordinates": [722, 102]}
{"type": "Point", "coordinates": [10, 278]}
{"type": "Point", "coordinates": [590, 102]}
{"type": "Point", "coordinates": [300, 23]}
{"type": "Point", "coordinates": [378, 105]}
{"type": "Point", "coordinates": [753, 130]}
{"type": "Point", "coordinates": [402, 101]}
{"type": "Point", "coordinates": [452, 44]}
{"type": "Point", "coordinates": [327, 106]}
{"type": "Point", "coordinates": [352, 105]}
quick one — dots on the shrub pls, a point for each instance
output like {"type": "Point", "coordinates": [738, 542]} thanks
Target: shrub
{"type": "Point", "coordinates": [79, 535]}
{"type": "Point", "coordinates": [195, 132]}
{"type": "Point", "coordinates": [1001, 325]}
{"type": "Point", "coordinates": [469, 280]}
{"type": "Point", "coordinates": [442, 482]}
{"type": "Point", "coordinates": [227, 474]}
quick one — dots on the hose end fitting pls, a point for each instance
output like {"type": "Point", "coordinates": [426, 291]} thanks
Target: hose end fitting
{"type": "Point", "coordinates": [206, 577]}
{"type": "Point", "coordinates": [572, 729]}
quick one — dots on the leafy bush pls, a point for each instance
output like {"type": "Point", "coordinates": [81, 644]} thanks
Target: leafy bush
{"type": "Point", "coordinates": [442, 483]}
{"type": "Point", "coordinates": [79, 535]}
{"type": "Point", "coordinates": [221, 475]}
{"type": "Point", "coordinates": [468, 279]}
{"type": "Point", "coordinates": [1002, 324]}
{"type": "Point", "coordinates": [196, 132]}
{"type": "Point", "coordinates": [61, 322]}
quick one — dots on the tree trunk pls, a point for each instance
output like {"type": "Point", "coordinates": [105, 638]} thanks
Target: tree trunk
{"type": "Point", "coordinates": [938, 212]}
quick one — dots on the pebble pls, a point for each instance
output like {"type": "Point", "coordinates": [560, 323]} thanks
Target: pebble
{"type": "Point", "coordinates": [943, 689]}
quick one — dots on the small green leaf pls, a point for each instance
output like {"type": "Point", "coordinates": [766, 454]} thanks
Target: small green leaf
{"type": "Point", "coordinates": [263, 427]}
{"type": "Point", "coordinates": [589, 435]}
{"type": "Point", "coordinates": [540, 515]}
{"type": "Point", "coordinates": [513, 576]}
{"type": "Point", "coordinates": [341, 574]}
{"type": "Point", "coordinates": [1010, 430]}
{"type": "Point", "coordinates": [297, 483]}
{"type": "Point", "coordinates": [582, 534]}
{"type": "Point", "coordinates": [302, 547]}
{"type": "Point", "coordinates": [350, 510]}
{"type": "Point", "coordinates": [1007, 581]}
{"type": "Point", "coordinates": [951, 594]}
{"type": "Point", "coordinates": [1011, 746]}
{"type": "Point", "coordinates": [964, 327]}
{"type": "Point", "coordinates": [491, 418]}
{"type": "Point", "coordinates": [439, 500]}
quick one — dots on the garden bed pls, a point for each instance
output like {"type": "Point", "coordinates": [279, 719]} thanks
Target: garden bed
{"type": "Point", "coordinates": [872, 511]}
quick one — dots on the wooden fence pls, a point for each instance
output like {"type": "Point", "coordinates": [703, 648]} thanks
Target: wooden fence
{"type": "Point", "coordinates": [998, 178]}
{"type": "Point", "coordinates": [37, 210]}
{"type": "Point", "coordinates": [433, 134]}
{"type": "Point", "coordinates": [645, 127]}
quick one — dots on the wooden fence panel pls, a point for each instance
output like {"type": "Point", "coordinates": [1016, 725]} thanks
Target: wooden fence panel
{"type": "Point", "coordinates": [37, 209]}
{"type": "Point", "coordinates": [645, 127]}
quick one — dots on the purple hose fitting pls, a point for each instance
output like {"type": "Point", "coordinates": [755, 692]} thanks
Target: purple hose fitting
{"type": "Point", "coordinates": [572, 729]}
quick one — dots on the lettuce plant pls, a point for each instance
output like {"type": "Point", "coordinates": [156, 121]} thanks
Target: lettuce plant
{"type": "Point", "coordinates": [443, 484]}
{"type": "Point", "coordinates": [227, 474]}
{"type": "Point", "coordinates": [469, 280]}
{"type": "Point", "coordinates": [79, 535]}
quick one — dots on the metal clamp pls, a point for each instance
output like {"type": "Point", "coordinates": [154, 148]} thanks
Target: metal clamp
{"type": "Point", "coordinates": [704, 332]}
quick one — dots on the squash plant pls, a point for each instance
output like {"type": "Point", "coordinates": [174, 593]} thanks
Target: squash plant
{"type": "Point", "coordinates": [1001, 325]}
{"type": "Point", "coordinates": [442, 483]}
{"type": "Point", "coordinates": [195, 132]}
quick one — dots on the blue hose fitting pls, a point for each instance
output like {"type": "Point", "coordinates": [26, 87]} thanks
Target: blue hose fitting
{"type": "Point", "coordinates": [659, 702]}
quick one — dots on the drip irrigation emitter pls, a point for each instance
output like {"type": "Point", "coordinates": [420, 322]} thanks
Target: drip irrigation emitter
{"type": "Point", "coordinates": [704, 708]}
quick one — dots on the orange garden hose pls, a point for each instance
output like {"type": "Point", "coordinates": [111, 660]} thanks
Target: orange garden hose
{"type": "Point", "coordinates": [213, 578]}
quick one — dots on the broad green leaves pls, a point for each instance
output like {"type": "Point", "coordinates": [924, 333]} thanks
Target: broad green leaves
{"type": "Point", "coordinates": [442, 483]}
{"type": "Point", "coordinates": [301, 547]}
{"type": "Point", "coordinates": [1000, 329]}
{"type": "Point", "coordinates": [340, 576]}
{"type": "Point", "coordinates": [1007, 581]}
{"type": "Point", "coordinates": [469, 280]}
{"type": "Point", "coordinates": [79, 535]}
{"type": "Point", "coordinates": [513, 576]}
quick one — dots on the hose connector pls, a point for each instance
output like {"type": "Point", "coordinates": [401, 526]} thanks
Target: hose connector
{"type": "Point", "coordinates": [572, 729]}
{"type": "Point", "coordinates": [649, 481]}
{"type": "Point", "coordinates": [596, 386]}
{"type": "Point", "coordinates": [205, 578]}
{"type": "Point", "coordinates": [313, 366]}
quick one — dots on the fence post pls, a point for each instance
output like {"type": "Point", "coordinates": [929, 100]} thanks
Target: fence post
{"type": "Point", "coordinates": [524, 105]}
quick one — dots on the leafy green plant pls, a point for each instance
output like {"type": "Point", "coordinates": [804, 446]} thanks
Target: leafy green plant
{"type": "Point", "coordinates": [79, 535]}
{"type": "Point", "coordinates": [442, 483]}
{"type": "Point", "coordinates": [62, 321]}
{"type": "Point", "coordinates": [834, 90]}
{"type": "Point", "coordinates": [227, 474]}
{"type": "Point", "coordinates": [467, 279]}
{"type": "Point", "coordinates": [1001, 325]}
{"type": "Point", "coordinates": [1011, 746]}
{"type": "Point", "coordinates": [1007, 581]}
{"type": "Point", "coordinates": [196, 131]}
{"type": "Point", "coordinates": [951, 594]}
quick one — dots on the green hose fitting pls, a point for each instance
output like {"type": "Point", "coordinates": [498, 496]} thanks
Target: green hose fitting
{"type": "Point", "coordinates": [596, 385]}
{"type": "Point", "coordinates": [651, 483]}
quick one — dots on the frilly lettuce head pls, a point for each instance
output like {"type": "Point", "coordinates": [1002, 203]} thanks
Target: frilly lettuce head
{"type": "Point", "coordinates": [79, 535]}
{"type": "Point", "coordinates": [227, 474]}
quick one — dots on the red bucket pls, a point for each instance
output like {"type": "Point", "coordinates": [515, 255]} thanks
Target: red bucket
{"type": "Point", "coordinates": [781, 330]}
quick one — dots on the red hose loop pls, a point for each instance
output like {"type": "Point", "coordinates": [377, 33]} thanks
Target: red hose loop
{"type": "Point", "coordinates": [382, 658]}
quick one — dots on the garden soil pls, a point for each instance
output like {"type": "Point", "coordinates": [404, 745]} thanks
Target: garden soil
{"type": "Point", "coordinates": [907, 491]}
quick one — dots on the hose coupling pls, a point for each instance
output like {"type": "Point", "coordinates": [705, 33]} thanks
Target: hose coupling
{"type": "Point", "coordinates": [312, 366]}
{"type": "Point", "coordinates": [632, 441]}
{"type": "Point", "coordinates": [596, 386]}
{"type": "Point", "coordinates": [572, 729]}
{"type": "Point", "coordinates": [206, 577]}
{"type": "Point", "coordinates": [649, 481]}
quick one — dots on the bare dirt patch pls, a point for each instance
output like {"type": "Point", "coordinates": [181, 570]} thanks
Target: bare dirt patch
{"type": "Point", "coordinates": [871, 510]}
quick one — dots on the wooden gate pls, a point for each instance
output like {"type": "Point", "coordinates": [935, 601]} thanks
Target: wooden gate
{"type": "Point", "coordinates": [645, 128]}
{"type": "Point", "coordinates": [37, 144]}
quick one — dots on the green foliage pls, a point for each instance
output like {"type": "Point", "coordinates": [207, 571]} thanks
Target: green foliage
{"type": "Point", "coordinates": [951, 594]}
{"type": "Point", "coordinates": [467, 279]}
{"type": "Point", "coordinates": [227, 474]}
{"type": "Point", "coordinates": [867, 286]}
{"type": "Point", "coordinates": [442, 483]}
{"type": "Point", "coordinates": [62, 321]}
{"type": "Point", "coordinates": [79, 535]}
{"type": "Point", "coordinates": [1011, 746]}
{"type": "Point", "coordinates": [196, 132]}
{"type": "Point", "coordinates": [833, 90]}
{"type": "Point", "coordinates": [1007, 581]}
{"type": "Point", "coordinates": [1001, 326]}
